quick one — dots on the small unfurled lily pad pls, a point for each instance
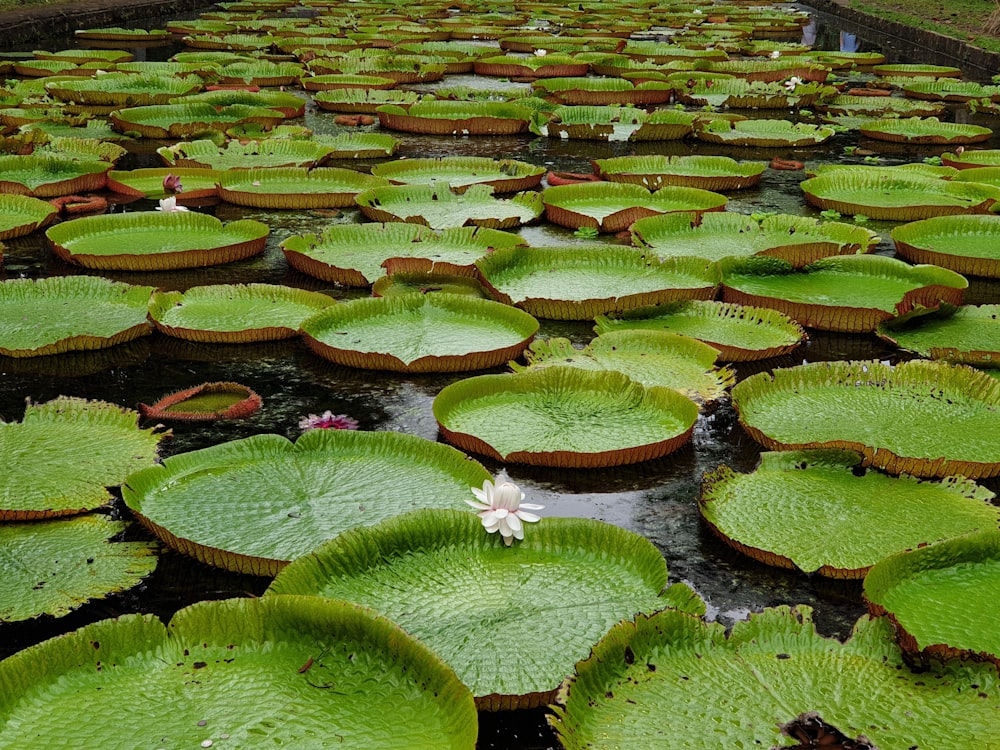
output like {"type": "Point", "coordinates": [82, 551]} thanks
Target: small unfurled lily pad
{"type": "Point", "coordinates": [969, 245]}
{"type": "Point", "coordinates": [812, 511]}
{"type": "Point", "coordinates": [929, 419]}
{"type": "Point", "coordinates": [420, 333]}
{"type": "Point", "coordinates": [599, 123]}
{"type": "Point", "coordinates": [407, 569]}
{"type": "Point", "coordinates": [41, 461]}
{"type": "Point", "coordinates": [53, 567]}
{"type": "Point", "coordinates": [740, 333]}
{"type": "Point", "coordinates": [844, 293]}
{"type": "Point", "coordinates": [235, 313]}
{"type": "Point", "coordinates": [357, 254]}
{"type": "Point", "coordinates": [253, 505]}
{"type": "Point", "coordinates": [347, 672]}
{"type": "Point", "coordinates": [438, 206]}
{"type": "Point", "coordinates": [942, 598]}
{"type": "Point", "coordinates": [155, 241]}
{"type": "Point", "coordinates": [208, 401]}
{"type": "Point", "coordinates": [579, 283]}
{"type": "Point", "coordinates": [564, 417]}
{"type": "Point", "coordinates": [69, 313]}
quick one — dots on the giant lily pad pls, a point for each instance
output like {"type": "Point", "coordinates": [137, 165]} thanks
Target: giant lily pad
{"type": "Point", "coordinates": [43, 475]}
{"type": "Point", "coordinates": [52, 567]}
{"type": "Point", "coordinates": [71, 313]}
{"type": "Point", "coordinates": [924, 418]}
{"type": "Point", "coordinates": [155, 241]}
{"type": "Point", "coordinates": [252, 505]}
{"type": "Point", "coordinates": [357, 254]}
{"type": "Point", "coordinates": [362, 101]}
{"type": "Point", "coordinates": [408, 569]}
{"type": "Point", "coordinates": [565, 417]}
{"type": "Point", "coordinates": [969, 159]}
{"type": "Point", "coordinates": [603, 91]}
{"type": "Point", "coordinates": [420, 333]}
{"type": "Point", "coordinates": [925, 130]}
{"type": "Point", "coordinates": [348, 82]}
{"type": "Point", "coordinates": [293, 187]}
{"type": "Point", "coordinates": [917, 70]}
{"type": "Point", "coordinates": [443, 117]}
{"type": "Point", "coordinates": [600, 123]}
{"type": "Point", "coordinates": [197, 183]}
{"type": "Point", "coordinates": [941, 598]}
{"type": "Point", "coordinates": [235, 313]}
{"type": "Point", "coordinates": [878, 106]}
{"type": "Point", "coordinates": [345, 671]}
{"type": "Point", "coordinates": [49, 176]}
{"type": "Point", "coordinates": [742, 94]}
{"type": "Point", "coordinates": [185, 120]}
{"type": "Point", "coordinates": [615, 206]}
{"type": "Point", "coordinates": [205, 402]}
{"type": "Point", "coordinates": [285, 102]}
{"type": "Point", "coordinates": [579, 283]}
{"type": "Point", "coordinates": [971, 336]}
{"type": "Point", "coordinates": [541, 66]}
{"type": "Point", "coordinates": [761, 133]}
{"type": "Point", "coordinates": [22, 214]}
{"type": "Point", "coordinates": [966, 244]}
{"type": "Point", "coordinates": [704, 172]}
{"type": "Point", "coordinates": [950, 90]}
{"type": "Point", "coordinates": [653, 358]}
{"type": "Point", "coordinates": [797, 239]}
{"type": "Point", "coordinates": [773, 671]}
{"type": "Point", "coordinates": [256, 154]}
{"type": "Point", "coordinates": [897, 196]}
{"type": "Point", "coordinates": [438, 206]}
{"type": "Point", "coordinates": [833, 521]}
{"type": "Point", "coordinates": [845, 293]}
{"type": "Point", "coordinates": [740, 333]}
{"type": "Point", "coordinates": [123, 89]}
{"type": "Point", "coordinates": [503, 175]}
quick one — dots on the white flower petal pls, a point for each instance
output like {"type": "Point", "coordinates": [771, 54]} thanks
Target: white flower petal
{"type": "Point", "coordinates": [515, 524]}
{"type": "Point", "coordinates": [531, 506]}
{"type": "Point", "coordinates": [528, 517]}
{"type": "Point", "coordinates": [478, 506]}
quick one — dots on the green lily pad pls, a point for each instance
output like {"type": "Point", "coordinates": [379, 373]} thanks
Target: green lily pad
{"type": "Point", "coordinates": [604, 123]}
{"type": "Point", "coordinates": [950, 90]}
{"type": "Point", "coordinates": [653, 358]}
{"type": "Point", "coordinates": [260, 73]}
{"type": "Point", "coordinates": [896, 196]}
{"type": "Point", "coordinates": [615, 206]}
{"type": "Point", "coordinates": [123, 89]}
{"type": "Point", "coordinates": [704, 172]}
{"type": "Point", "coordinates": [330, 670]}
{"type": "Point", "coordinates": [987, 157]}
{"type": "Point", "coordinates": [156, 240]}
{"type": "Point", "coordinates": [925, 130]}
{"type": "Point", "coordinates": [740, 333]}
{"type": "Point", "coordinates": [835, 522]}
{"type": "Point", "coordinates": [440, 576]}
{"type": "Point", "coordinates": [186, 120]}
{"type": "Point", "coordinates": [917, 70]}
{"type": "Point", "coordinates": [285, 102]}
{"type": "Point", "coordinates": [52, 567]}
{"type": "Point", "coordinates": [420, 333]}
{"type": "Point", "coordinates": [362, 101]}
{"type": "Point", "coordinates": [50, 176]}
{"type": "Point", "coordinates": [427, 283]}
{"type": "Point", "coordinates": [205, 402]}
{"type": "Point", "coordinates": [43, 475]}
{"type": "Point", "coordinates": [347, 82]}
{"type": "Point", "coordinates": [439, 206]}
{"type": "Point", "coordinates": [198, 183]}
{"type": "Point", "coordinates": [674, 670]}
{"type": "Point", "coordinates": [120, 34]}
{"type": "Point", "coordinates": [503, 175]}
{"type": "Point", "coordinates": [360, 145]}
{"type": "Point", "coordinates": [941, 598]}
{"type": "Point", "coordinates": [357, 254]}
{"type": "Point", "coordinates": [928, 419]}
{"type": "Point", "coordinates": [70, 313]}
{"type": "Point", "coordinates": [235, 313]}
{"type": "Point", "coordinates": [969, 245]}
{"type": "Point", "coordinates": [970, 336]}
{"type": "Point", "coordinates": [256, 154]}
{"type": "Point", "coordinates": [22, 214]}
{"type": "Point", "coordinates": [294, 187]}
{"type": "Point", "coordinates": [579, 283]}
{"type": "Point", "coordinates": [877, 106]}
{"type": "Point", "coordinates": [443, 117]}
{"type": "Point", "coordinates": [564, 417]}
{"type": "Point", "coordinates": [253, 505]}
{"type": "Point", "coordinates": [537, 66]}
{"type": "Point", "coordinates": [799, 240]}
{"type": "Point", "coordinates": [603, 91]}
{"type": "Point", "coordinates": [743, 94]}
{"type": "Point", "coordinates": [761, 133]}
{"type": "Point", "coordinates": [844, 293]}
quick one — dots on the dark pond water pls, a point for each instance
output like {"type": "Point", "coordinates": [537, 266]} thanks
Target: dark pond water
{"type": "Point", "coordinates": [656, 499]}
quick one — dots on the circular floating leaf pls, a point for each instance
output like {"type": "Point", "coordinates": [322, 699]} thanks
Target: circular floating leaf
{"type": "Point", "coordinates": [22, 214]}
{"type": "Point", "coordinates": [456, 118]}
{"type": "Point", "coordinates": [907, 70]}
{"type": "Point", "coordinates": [427, 283]}
{"type": "Point", "coordinates": [357, 254]}
{"type": "Point", "coordinates": [49, 176]}
{"type": "Point", "coordinates": [970, 336]}
{"type": "Point", "coordinates": [923, 418]}
{"type": "Point", "coordinates": [43, 475]}
{"type": "Point", "coordinates": [440, 206]}
{"type": "Point", "coordinates": [941, 598]}
{"type": "Point", "coordinates": [442, 578]}
{"type": "Point", "coordinates": [328, 670]}
{"type": "Point", "coordinates": [208, 401]}
{"type": "Point", "coordinates": [53, 567]}
{"type": "Point", "coordinates": [362, 101]}
{"type": "Point", "coordinates": [544, 66]}
{"type": "Point", "coordinates": [290, 188]}
{"type": "Point", "coordinates": [604, 91]}
{"type": "Point", "coordinates": [797, 239]}
{"type": "Point", "coordinates": [740, 333]}
{"type": "Point", "coordinates": [70, 313]}
{"type": "Point", "coordinates": [256, 154]}
{"type": "Point", "coordinates": [924, 130]}
{"type": "Point", "coordinates": [950, 90]}
{"type": "Point", "coordinates": [704, 172]}
{"type": "Point", "coordinates": [252, 505]}
{"type": "Point", "coordinates": [617, 124]}
{"type": "Point", "coordinates": [504, 176]}
{"type": "Point", "coordinates": [833, 521]}
{"type": "Point", "coordinates": [597, 419]}
{"type": "Point", "coordinates": [673, 670]}
{"type": "Point", "coordinates": [987, 157]}
{"type": "Point", "coordinates": [845, 293]}
{"type": "Point", "coordinates": [878, 106]}
{"type": "Point", "coordinates": [579, 283]}
{"type": "Point", "coordinates": [156, 241]}
{"type": "Point", "coordinates": [761, 133]}
{"type": "Point", "coordinates": [347, 82]}
{"type": "Point", "coordinates": [123, 89]}
{"type": "Point", "coordinates": [235, 313]}
{"type": "Point", "coordinates": [420, 333]}
{"type": "Point", "coordinates": [198, 184]}
{"type": "Point", "coordinates": [185, 120]}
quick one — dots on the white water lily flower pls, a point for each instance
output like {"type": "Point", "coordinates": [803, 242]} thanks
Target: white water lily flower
{"type": "Point", "coordinates": [540, 53]}
{"type": "Point", "coordinates": [791, 83]}
{"type": "Point", "coordinates": [169, 205]}
{"type": "Point", "coordinates": [776, 54]}
{"type": "Point", "coordinates": [501, 509]}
